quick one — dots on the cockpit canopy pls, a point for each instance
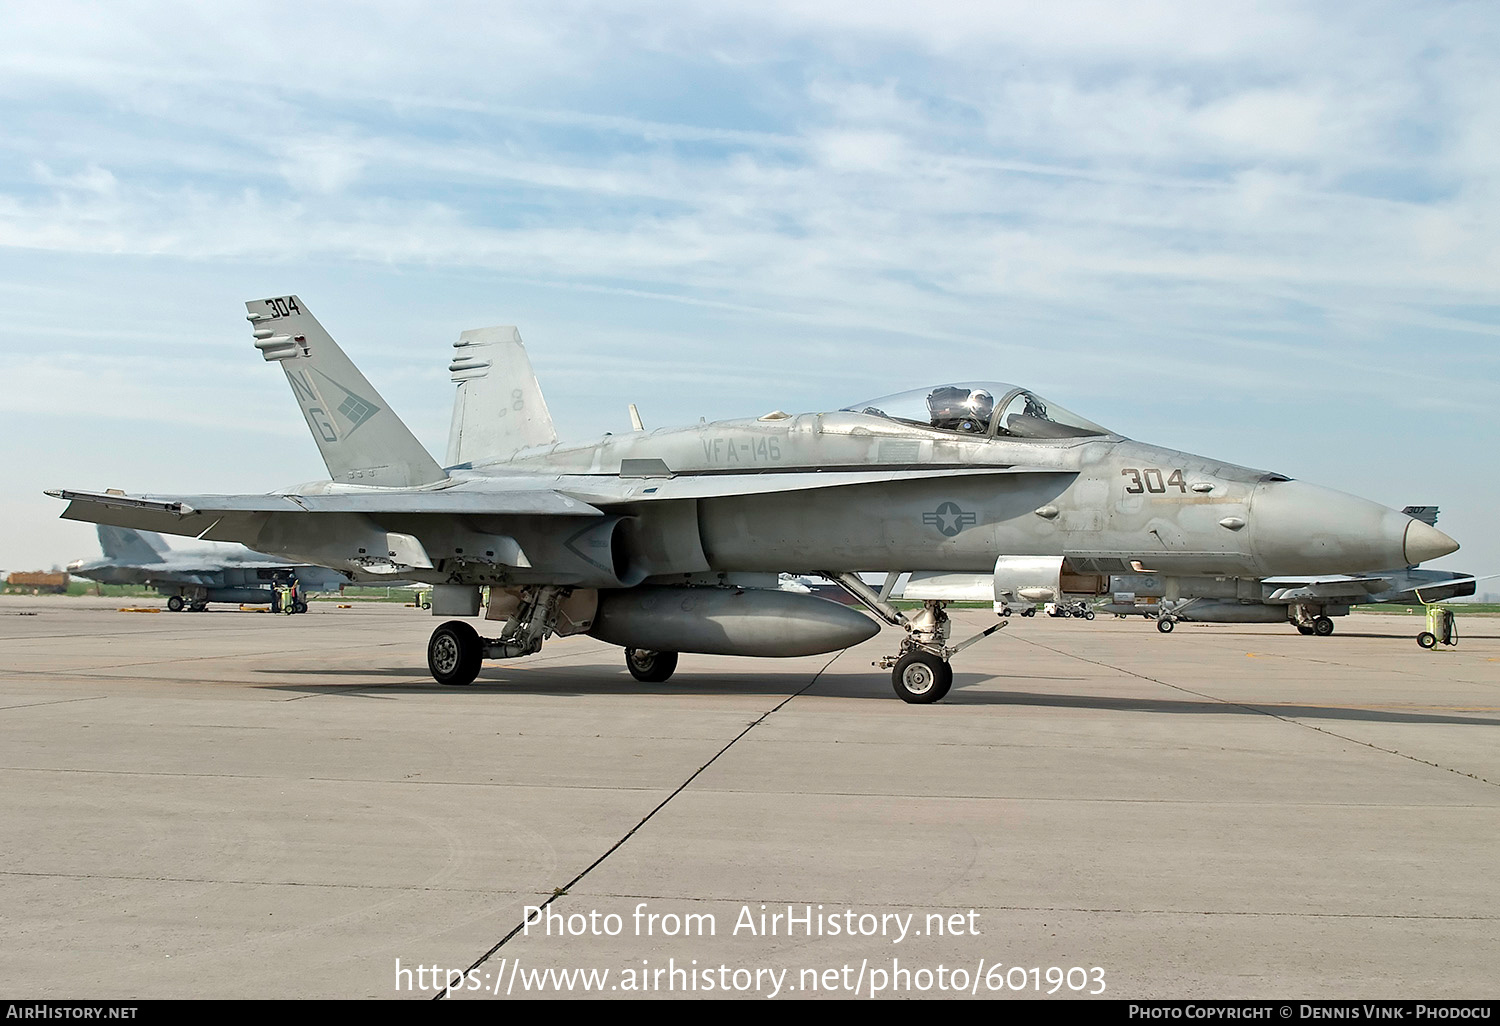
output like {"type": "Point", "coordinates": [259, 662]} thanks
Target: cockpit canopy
{"type": "Point", "coordinates": [986, 408]}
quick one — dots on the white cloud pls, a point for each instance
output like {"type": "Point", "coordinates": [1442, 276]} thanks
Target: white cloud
{"type": "Point", "coordinates": [322, 165]}
{"type": "Point", "coordinates": [1099, 194]}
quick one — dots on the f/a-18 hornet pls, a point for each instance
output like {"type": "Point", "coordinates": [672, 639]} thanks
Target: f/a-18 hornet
{"type": "Point", "coordinates": [669, 541]}
{"type": "Point", "coordinates": [192, 578]}
{"type": "Point", "coordinates": [1307, 601]}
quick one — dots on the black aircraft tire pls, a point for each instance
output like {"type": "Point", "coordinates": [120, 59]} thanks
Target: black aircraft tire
{"type": "Point", "coordinates": [175, 603]}
{"type": "Point", "coordinates": [454, 653]}
{"type": "Point", "coordinates": [650, 667]}
{"type": "Point", "coordinates": [1322, 626]}
{"type": "Point", "coordinates": [1427, 639]}
{"type": "Point", "coordinates": [946, 684]}
{"type": "Point", "coordinates": [1303, 628]}
{"type": "Point", "coordinates": [1165, 624]}
{"type": "Point", "coordinates": [921, 678]}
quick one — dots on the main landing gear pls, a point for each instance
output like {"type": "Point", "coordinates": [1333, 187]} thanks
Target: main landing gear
{"type": "Point", "coordinates": [1310, 619]}
{"type": "Point", "coordinates": [650, 667]}
{"type": "Point", "coordinates": [455, 651]}
{"type": "Point", "coordinates": [920, 670]}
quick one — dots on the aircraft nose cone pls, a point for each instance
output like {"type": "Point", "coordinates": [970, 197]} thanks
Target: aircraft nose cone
{"type": "Point", "coordinates": [1424, 542]}
{"type": "Point", "coordinates": [1300, 528]}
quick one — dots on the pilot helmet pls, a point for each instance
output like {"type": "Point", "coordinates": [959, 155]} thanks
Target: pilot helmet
{"type": "Point", "coordinates": [981, 404]}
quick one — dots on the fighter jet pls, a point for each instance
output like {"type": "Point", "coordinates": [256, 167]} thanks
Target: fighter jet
{"type": "Point", "coordinates": [1307, 601]}
{"type": "Point", "coordinates": [192, 578]}
{"type": "Point", "coordinates": [670, 540]}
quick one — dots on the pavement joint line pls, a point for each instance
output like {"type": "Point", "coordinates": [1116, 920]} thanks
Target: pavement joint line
{"type": "Point", "coordinates": [337, 780]}
{"type": "Point", "coordinates": [565, 888]}
{"type": "Point", "coordinates": [1061, 908]}
{"type": "Point", "coordinates": [1082, 909]}
{"type": "Point", "coordinates": [55, 701]}
{"type": "Point", "coordinates": [1092, 799]}
{"type": "Point", "coordinates": [74, 677]}
{"type": "Point", "coordinates": [133, 878]}
{"type": "Point", "coordinates": [100, 670]}
{"type": "Point", "coordinates": [354, 690]}
{"type": "Point", "coordinates": [514, 784]}
{"type": "Point", "coordinates": [1266, 712]}
{"type": "Point", "coordinates": [250, 632]}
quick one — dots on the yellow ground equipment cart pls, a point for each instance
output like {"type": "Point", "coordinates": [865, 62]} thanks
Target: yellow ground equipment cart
{"type": "Point", "coordinates": [1440, 627]}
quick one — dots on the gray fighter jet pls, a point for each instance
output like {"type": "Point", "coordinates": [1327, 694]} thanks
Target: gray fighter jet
{"type": "Point", "coordinates": [1307, 602]}
{"type": "Point", "coordinates": [645, 539]}
{"type": "Point", "coordinates": [191, 578]}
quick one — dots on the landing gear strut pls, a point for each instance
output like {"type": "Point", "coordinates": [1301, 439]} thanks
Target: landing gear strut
{"type": "Point", "coordinates": [921, 673]}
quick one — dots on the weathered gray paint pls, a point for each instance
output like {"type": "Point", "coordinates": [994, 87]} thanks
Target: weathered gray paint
{"type": "Point", "coordinates": [840, 491]}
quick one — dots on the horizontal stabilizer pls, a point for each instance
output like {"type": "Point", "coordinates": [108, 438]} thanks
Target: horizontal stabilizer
{"type": "Point", "coordinates": [361, 440]}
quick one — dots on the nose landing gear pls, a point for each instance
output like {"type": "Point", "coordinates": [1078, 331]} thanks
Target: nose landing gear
{"type": "Point", "coordinates": [920, 669]}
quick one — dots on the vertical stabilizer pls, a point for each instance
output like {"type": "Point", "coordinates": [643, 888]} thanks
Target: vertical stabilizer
{"type": "Point", "coordinates": [498, 408]}
{"type": "Point", "coordinates": [127, 547]}
{"type": "Point", "coordinates": [362, 441]}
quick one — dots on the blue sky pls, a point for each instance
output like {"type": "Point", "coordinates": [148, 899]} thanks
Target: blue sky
{"type": "Point", "coordinates": [1259, 231]}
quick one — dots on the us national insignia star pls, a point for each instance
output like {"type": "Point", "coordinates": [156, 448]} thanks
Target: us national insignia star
{"type": "Point", "coordinates": [949, 519]}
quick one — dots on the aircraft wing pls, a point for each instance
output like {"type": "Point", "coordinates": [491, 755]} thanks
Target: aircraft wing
{"type": "Point", "coordinates": [558, 529]}
{"type": "Point", "coordinates": [339, 529]}
{"type": "Point", "coordinates": [1327, 588]}
{"type": "Point", "coordinates": [172, 510]}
